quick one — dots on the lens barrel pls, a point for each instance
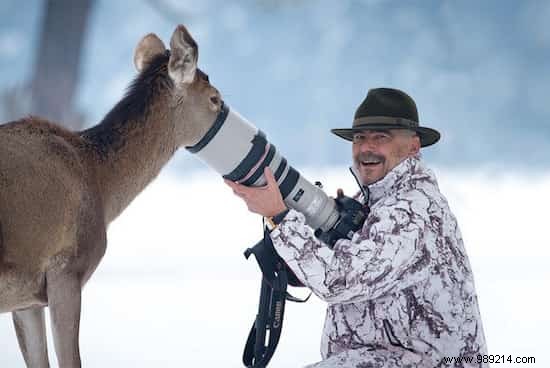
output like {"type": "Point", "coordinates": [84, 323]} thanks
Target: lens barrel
{"type": "Point", "coordinates": [239, 151]}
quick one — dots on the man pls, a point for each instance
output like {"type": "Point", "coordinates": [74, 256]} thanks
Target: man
{"type": "Point", "coordinates": [400, 293]}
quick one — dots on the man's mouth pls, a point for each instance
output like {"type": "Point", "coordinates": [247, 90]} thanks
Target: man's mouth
{"type": "Point", "coordinates": [369, 160]}
{"type": "Point", "coordinates": [370, 163]}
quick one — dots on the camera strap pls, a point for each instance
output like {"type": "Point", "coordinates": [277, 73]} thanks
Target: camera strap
{"type": "Point", "coordinates": [269, 321]}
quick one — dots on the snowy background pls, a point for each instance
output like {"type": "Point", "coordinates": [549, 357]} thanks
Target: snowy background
{"type": "Point", "coordinates": [174, 289]}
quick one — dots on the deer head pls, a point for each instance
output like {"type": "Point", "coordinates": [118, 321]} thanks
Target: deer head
{"type": "Point", "coordinates": [192, 101]}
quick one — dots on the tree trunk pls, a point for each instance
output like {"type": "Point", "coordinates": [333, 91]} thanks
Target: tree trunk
{"type": "Point", "coordinates": [57, 63]}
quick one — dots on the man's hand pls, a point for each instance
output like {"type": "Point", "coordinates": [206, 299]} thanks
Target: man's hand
{"type": "Point", "coordinates": [266, 201]}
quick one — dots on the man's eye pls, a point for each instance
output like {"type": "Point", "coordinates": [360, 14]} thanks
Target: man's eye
{"type": "Point", "coordinates": [380, 137]}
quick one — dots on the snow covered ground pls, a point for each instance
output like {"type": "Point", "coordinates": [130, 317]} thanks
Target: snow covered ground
{"type": "Point", "coordinates": [174, 289]}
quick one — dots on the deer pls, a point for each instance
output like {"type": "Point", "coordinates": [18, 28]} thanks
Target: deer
{"type": "Point", "coordinates": [60, 189]}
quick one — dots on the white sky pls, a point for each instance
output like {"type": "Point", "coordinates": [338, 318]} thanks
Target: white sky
{"type": "Point", "coordinates": [175, 291]}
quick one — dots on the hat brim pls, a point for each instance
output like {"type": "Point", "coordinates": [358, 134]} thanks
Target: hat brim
{"type": "Point", "coordinates": [428, 136]}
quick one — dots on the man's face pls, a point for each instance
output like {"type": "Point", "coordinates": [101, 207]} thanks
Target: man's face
{"type": "Point", "coordinates": [376, 152]}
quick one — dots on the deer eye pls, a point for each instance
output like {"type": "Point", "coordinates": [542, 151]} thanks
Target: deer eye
{"type": "Point", "coordinates": [214, 100]}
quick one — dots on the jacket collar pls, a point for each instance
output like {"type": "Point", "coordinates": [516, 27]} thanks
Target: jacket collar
{"type": "Point", "coordinates": [407, 171]}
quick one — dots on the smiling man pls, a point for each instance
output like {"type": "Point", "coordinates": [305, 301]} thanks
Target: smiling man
{"type": "Point", "coordinates": [400, 292]}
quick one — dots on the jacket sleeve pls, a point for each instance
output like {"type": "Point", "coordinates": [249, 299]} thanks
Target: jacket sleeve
{"type": "Point", "coordinates": [387, 255]}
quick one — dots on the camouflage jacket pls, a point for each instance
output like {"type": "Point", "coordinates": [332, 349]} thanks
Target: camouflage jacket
{"type": "Point", "coordinates": [401, 292]}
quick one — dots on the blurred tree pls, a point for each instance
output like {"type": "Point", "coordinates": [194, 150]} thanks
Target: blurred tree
{"type": "Point", "coordinates": [57, 61]}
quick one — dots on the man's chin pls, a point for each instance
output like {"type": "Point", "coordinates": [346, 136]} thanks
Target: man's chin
{"type": "Point", "coordinates": [369, 174]}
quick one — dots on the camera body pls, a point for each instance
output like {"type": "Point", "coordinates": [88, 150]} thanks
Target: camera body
{"type": "Point", "coordinates": [239, 151]}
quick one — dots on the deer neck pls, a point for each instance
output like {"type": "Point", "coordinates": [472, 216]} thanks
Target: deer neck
{"type": "Point", "coordinates": [133, 160]}
{"type": "Point", "coordinates": [134, 141]}
{"type": "Point", "coordinates": [124, 173]}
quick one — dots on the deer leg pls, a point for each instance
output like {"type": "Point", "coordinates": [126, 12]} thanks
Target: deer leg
{"type": "Point", "coordinates": [31, 335]}
{"type": "Point", "coordinates": [64, 297]}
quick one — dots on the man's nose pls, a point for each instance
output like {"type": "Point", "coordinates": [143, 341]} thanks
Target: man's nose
{"type": "Point", "coordinates": [367, 145]}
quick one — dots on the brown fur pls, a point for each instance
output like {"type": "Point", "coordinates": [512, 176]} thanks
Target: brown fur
{"type": "Point", "coordinates": [59, 189]}
{"type": "Point", "coordinates": [47, 176]}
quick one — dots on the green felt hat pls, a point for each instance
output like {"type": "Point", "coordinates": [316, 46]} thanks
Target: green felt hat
{"type": "Point", "coordinates": [388, 108]}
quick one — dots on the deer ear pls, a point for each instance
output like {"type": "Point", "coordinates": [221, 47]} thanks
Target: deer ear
{"type": "Point", "coordinates": [184, 53]}
{"type": "Point", "coordinates": [149, 47]}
